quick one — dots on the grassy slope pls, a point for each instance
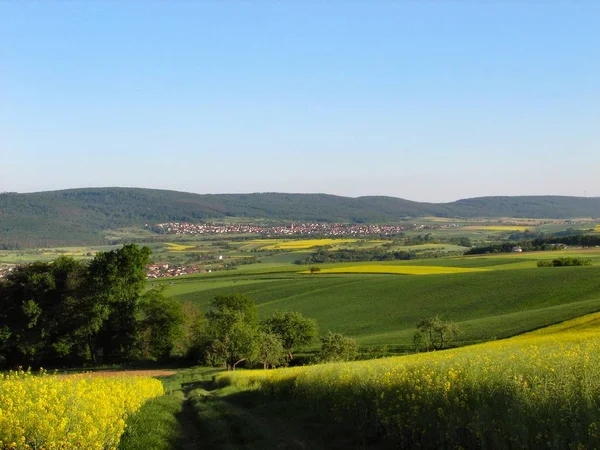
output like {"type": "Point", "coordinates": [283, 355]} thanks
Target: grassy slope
{"type": "Point", "coordinates": [198, 413]}
{"type": "Point", "coordinates": [383, 309]}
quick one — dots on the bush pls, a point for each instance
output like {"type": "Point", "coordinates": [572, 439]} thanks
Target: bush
{"type": "Point", "coordinates": [336, 347]}
{"type": "Point", "coordinates": [564, 262]}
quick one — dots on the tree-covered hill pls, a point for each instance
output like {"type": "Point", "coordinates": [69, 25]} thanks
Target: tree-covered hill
{"type": "Point", "coordinates": [79, 216]}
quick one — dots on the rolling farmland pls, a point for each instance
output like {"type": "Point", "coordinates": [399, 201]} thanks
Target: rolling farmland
{"type": "Point", "coordinates": [489, 296]}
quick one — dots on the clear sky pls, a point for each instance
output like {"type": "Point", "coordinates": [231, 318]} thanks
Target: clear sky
{"type": "Point", "coordinates": [430, 101]}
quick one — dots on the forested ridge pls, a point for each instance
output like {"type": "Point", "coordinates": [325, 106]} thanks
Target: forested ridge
{"type": "Point", "coordinates": [80, 216]}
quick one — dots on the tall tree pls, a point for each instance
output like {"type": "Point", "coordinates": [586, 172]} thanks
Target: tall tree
{"type": "Point", "coordinates": [270, 350]}
{"type": "Point", "coordinates": [293, 329]}
{"type": "Point", "coordinates": [40, 317]}
{"type": "Point", "coordinates": [161, 324]}
{"type": "Point", "coordinates": [233, 328]}
{"type": "Point", "coordinates": [438, 333]}
{"type": "Point", "coordinates": [117, 280]}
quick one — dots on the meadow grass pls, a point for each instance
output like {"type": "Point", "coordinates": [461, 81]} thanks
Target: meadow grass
{"type": "Point", "coordinates": [535, 391]}
{"type": "Point", "coordinates": [155, 425]}
{"type": "Point", "coordinates": [169, 421]}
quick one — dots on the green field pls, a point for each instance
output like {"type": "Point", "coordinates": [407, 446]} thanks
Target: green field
{"type": "Point", "coordinates": [507, 295]}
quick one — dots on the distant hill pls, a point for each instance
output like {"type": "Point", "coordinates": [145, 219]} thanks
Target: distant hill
{"type": "Point", "coordinates": [80, 216]}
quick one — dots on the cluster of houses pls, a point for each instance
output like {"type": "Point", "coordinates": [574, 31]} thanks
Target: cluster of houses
{"type": "Point", "coordinates": [301, 229]}
{"type": "Point", "coordinates": [169, 270]}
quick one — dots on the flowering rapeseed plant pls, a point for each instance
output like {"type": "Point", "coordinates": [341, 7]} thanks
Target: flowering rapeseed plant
{"type": "Point", "coordinates": [68, 412]}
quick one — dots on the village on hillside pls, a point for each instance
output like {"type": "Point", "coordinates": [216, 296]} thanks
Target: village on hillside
{"type": "Point", "coordinates": [294, 229]}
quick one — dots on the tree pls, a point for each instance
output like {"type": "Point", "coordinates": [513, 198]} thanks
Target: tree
{"type": "Point", "coordinates": [418, 340]}
{"type": "Point", "coordinates": [437, 332]}
{"type": "Point", "coordinates": [223, 305]}
{"type": "Point", "coordinates": [161, 324]}
{"type": "Point", "coordinates": [293, 329]}
{"type": "Point", "coordinates": [270, 350]}
{"type": "Point", "coordinates": [336, 347]}
{"type": "Point", "coordinates": [117, 280]}
{"type": "Point", "coordinates": [232, 330]}
{"type": "Point", "coordinates": [314, 270]}
{"type": "Point", "coordinates": [194, 340]}
{"type": "Point", "coordinates": [233, 345]}
{"type": "Point", "coordinates": [42, 313]}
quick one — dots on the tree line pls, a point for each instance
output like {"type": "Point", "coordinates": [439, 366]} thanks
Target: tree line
{"type": "Point", "coordinates": [324, 255]}
{"type": "Point", "coordinates": [70, 312]}
{"type": "Point", "coordinates": [539, 244]}
{"type": "Point", "coordinates": [74, 313]}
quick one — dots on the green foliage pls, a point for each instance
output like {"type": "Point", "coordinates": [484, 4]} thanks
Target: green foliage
{"type": "Point", "coordinates": [232, 331]}
{"type": "Point", "coordinates": [69, 312]}
{"type": "Point", "coordinates": [117, 280]}
{"type": "Point", "coordinates": [42, 313]}
{"type": "Point", "coordinates": [324, 255]}
{"type": "Point", "coordinates": [436, 333]}
{"type": "Point", "coordinates": [293, 329]}
{"type": "Point", "coordinates": [270, 350]}
{"type": "Point", "coordinates": [462, 241]}
{"type": "Point", "coordinates": [564, 262]}
{"type": "Point", "coordinates": [336, 347]}
{"type": "Point", "coordinates": [160, 325]}
{"type": "Point", "coordinates": [226, 307]}
{"type": "Point", "coordinates": [194, 339]}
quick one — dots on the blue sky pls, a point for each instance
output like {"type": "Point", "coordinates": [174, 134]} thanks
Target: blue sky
{"type": "Point", "coordinates": [430, 101]}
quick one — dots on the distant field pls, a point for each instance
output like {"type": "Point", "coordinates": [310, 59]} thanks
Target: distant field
{"type": "Point", "coordinates": [496, 228]}
{"type": "Point", "coordinates": [50, 254]}
{"type": "Point", "coordinates": [398, 269]}
{"type": "Point", "coordinates": [172, 247]}
{"type": "Point", "coordinates": [597, 228]}
{"type": "Point", "coordinates": [300, 244]}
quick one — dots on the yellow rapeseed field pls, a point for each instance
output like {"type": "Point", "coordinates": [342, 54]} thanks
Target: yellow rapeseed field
{"type": "Point", "coordinates": [597, 228]}
{"type": "Point", "coordinates": [399, 269]}
{"type": "Point", "coordinates": [586, 323]}
{"type": "Point", "coordinates": [299, 244]}
{"type": "Point", "coordinates": [533, 391]}
{"type": "Point", "coordinates": [172, 247]}
{"type": "Point", "coordinates": [68, 412]}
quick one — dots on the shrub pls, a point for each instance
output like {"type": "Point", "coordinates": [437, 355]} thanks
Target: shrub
{"type": "Point", "coordinates": [336, 347]}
